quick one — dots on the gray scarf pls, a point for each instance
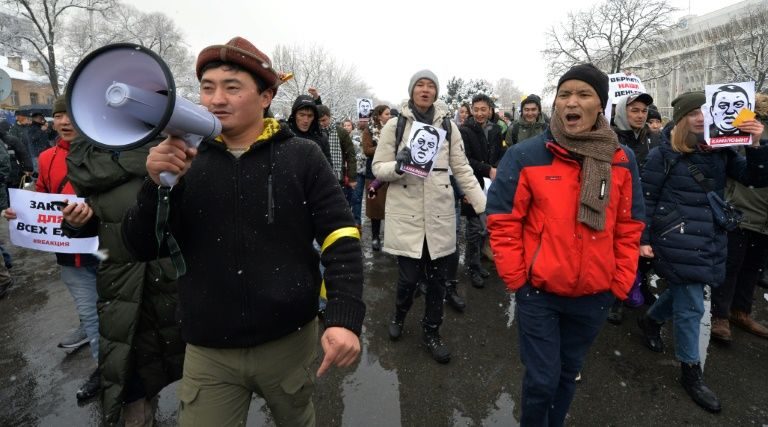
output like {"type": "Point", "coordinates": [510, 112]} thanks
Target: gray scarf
{"type": "Point", "coordinates": [427, 117]}
{"type": "Point", "coordinates": [596, 147]}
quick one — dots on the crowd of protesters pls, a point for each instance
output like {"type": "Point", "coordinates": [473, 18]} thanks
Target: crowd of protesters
{"type": "Point", "coordinates": [579, 214]}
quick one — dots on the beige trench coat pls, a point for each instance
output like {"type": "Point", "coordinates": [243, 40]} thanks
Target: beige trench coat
{"type": "Point", "coordinates": [419, 208]}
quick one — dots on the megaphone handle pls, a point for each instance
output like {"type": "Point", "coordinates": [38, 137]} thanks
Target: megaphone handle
{"type": "Point", "coordinates": [169, 179]}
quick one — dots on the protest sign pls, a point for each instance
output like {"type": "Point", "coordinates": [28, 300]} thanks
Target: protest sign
{"type": "Point", "coordinates": [424, 142]}
{"type": "Point", "coordinates": [726, 102]}
{"type": "Point", "coordinates": [38, 223]}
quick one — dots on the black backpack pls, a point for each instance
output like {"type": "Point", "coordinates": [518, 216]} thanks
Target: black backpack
{"type": "Point", "coordinates": [400, 129]}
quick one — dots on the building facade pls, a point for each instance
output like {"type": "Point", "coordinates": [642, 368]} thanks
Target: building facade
{"type": "Point", "coordinates": [29, 84]}
{"type": "Point", "coordinates": [689, 59]}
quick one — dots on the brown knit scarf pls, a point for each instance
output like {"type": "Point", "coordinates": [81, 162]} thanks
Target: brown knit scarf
{"type": "Point", "coordinates": [597, 148]}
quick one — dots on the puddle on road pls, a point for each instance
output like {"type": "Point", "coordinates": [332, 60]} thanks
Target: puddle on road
{"type": "Point", "coordinates": [371, 379]}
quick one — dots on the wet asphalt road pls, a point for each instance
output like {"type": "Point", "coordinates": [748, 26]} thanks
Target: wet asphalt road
{"type": "Point", "coordinates": [396, 384]}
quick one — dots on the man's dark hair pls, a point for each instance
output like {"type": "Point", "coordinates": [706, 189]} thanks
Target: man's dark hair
{"type": "Point", "coordinates": [729, 88]}
{"type": "Point", "coordinates": [481, 97]}
{"type": "Point", "coordinates": [234, 67]}
{"type": "Point", "coordinates": [323, 110]}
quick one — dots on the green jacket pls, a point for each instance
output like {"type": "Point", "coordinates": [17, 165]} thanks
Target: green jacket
{"type": "Point", "coordinates": [753, 202]}
{"type": "Point", "coordinates": [137, 300]}
{"type": "Point", "coordinates": [523, 130]}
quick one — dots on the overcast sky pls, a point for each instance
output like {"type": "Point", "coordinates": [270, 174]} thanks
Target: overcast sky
{"type": "Point", "coordinates": [387, 41]}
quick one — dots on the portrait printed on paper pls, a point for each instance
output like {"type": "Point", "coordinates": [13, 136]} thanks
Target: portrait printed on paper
{"type": "Point", "coordinates": [424, 142]}
{"type": "Point", "coordinates": [725, 102]}
{"type": "Point", "coordinates": [364, 108]}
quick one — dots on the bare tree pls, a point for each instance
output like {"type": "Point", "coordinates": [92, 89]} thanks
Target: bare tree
{"type": "Point", "coordinates": [607, 35]}
{"type": "Point", "coordinates": [339, 84]}
{"type": "Point", "coordinates": [742, 46]}
{"type": "Point", "coordinates": [509, 94]}
{"type": "Point", "coordinates": [126, 24]}
{"type": "Point", "coordinates": [39, 29]}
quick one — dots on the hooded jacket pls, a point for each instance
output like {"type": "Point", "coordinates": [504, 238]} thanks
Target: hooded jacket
{"type": "Point", "coordinates": [137, 300]}
{"type": "Point", "coordinates": [423, 208]}
{"type": "Point", "coordinates": [642, 141]}
{"type": "Point", "coordinates": [252, 270]}
{"type": "Point", "coordinates": [313, 133]}
{"type": "Point", "coordinates": [689, 247]}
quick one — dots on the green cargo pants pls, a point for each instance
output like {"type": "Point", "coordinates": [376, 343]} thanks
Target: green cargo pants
{"type": "Point", "coordinates": [218, 384]}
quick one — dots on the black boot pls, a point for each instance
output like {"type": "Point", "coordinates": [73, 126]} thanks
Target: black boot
{"type": "Point", "coordinates": [452, 296]}
{"type": "Point", "coordinates": [436, 347]}
{"type": "Point", "coordinates": [692, 380]}
{"type": "Point", "coordinates": [651, 330]}
{"type": "Point", "coordinates": [616, 313]}
{"type": "Point", "coordinates": [396, 325]}
{"type": "Point", "coordinates": [91, 387]}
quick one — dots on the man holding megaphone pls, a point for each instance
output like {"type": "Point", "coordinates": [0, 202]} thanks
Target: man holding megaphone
{"type": "Point", "coordinates": [244, 213]}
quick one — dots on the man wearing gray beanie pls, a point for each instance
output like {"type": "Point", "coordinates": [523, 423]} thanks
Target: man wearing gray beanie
{"type": "Point", "coordinates": [421, 219]}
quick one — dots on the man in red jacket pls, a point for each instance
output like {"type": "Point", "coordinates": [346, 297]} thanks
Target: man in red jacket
{"type": "Point", "coordinates": [78, 271]}
{"type": "Point", "coordinates": [565, 216]}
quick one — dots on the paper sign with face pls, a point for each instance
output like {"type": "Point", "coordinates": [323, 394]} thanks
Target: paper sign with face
{"type": "Point", "coordinates": [724, 103]}
{"type": "Point", "coordinates": [364, 108]}
{"type": "Point", "coordinates": [424, 141]}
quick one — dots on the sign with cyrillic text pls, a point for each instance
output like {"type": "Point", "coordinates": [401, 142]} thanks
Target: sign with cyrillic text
{"type": "Point", "coordinates": [38, 223]}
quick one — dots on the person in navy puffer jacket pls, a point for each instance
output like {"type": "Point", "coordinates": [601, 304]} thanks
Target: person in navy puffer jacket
{"type": "Point", "coordinates": [688, 247]}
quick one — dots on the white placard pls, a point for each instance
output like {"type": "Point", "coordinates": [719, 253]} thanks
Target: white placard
{"type": "Point", "coordinates": [424, 141]}
{"type": "Point", "coordinates": [620, 84]}
{"type": "Point", "coordinates": [723, 103]}
{"type": "Point", "coordinates": [38, 223]}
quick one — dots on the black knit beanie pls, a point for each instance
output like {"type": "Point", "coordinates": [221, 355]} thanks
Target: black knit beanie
{"type": "Point", "coordinates": [530, 99]}
{"type": "Point", "coordinates": [591, 75]}
{"type": "Point", "coordinates": [653, 113]}
{"type": "Point", "coordinates": [686, 103]}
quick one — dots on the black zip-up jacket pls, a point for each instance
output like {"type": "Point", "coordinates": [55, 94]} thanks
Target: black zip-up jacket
{"type": "Point", "coordinates": [249, 280]}
{"type": "Point", "coordinates": [483, 153]}
{"type": "Point", "coordinates": [642, 144]}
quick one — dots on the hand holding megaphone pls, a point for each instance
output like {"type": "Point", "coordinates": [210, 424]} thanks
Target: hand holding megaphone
{"type": "Point", "coordinates": [169, 159]}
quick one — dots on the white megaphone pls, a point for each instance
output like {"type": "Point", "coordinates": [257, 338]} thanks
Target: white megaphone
{"type": "Point", "coordinates": [122, 96]}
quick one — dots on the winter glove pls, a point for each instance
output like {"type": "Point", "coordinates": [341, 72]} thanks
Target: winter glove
{"type": "Point", "coordinates": [402, 157]}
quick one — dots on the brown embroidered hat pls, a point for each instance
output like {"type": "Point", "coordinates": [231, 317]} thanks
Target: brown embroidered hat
{"type": "Point", "coordinates": [243, 53]}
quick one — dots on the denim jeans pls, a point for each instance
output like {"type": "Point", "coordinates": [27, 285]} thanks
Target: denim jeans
{"type": "Point", "coordinates": [81, 282]}
{"type": "Point", "coordinates": [555, 335]}
{"type": "Point", "coordinates": [684, 304]}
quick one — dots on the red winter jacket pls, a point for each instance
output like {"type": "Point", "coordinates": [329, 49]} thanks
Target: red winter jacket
{"type": "Point", "coordinates": [534, 232]}
{"type": "Point", "coordinates": [51, 179]}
